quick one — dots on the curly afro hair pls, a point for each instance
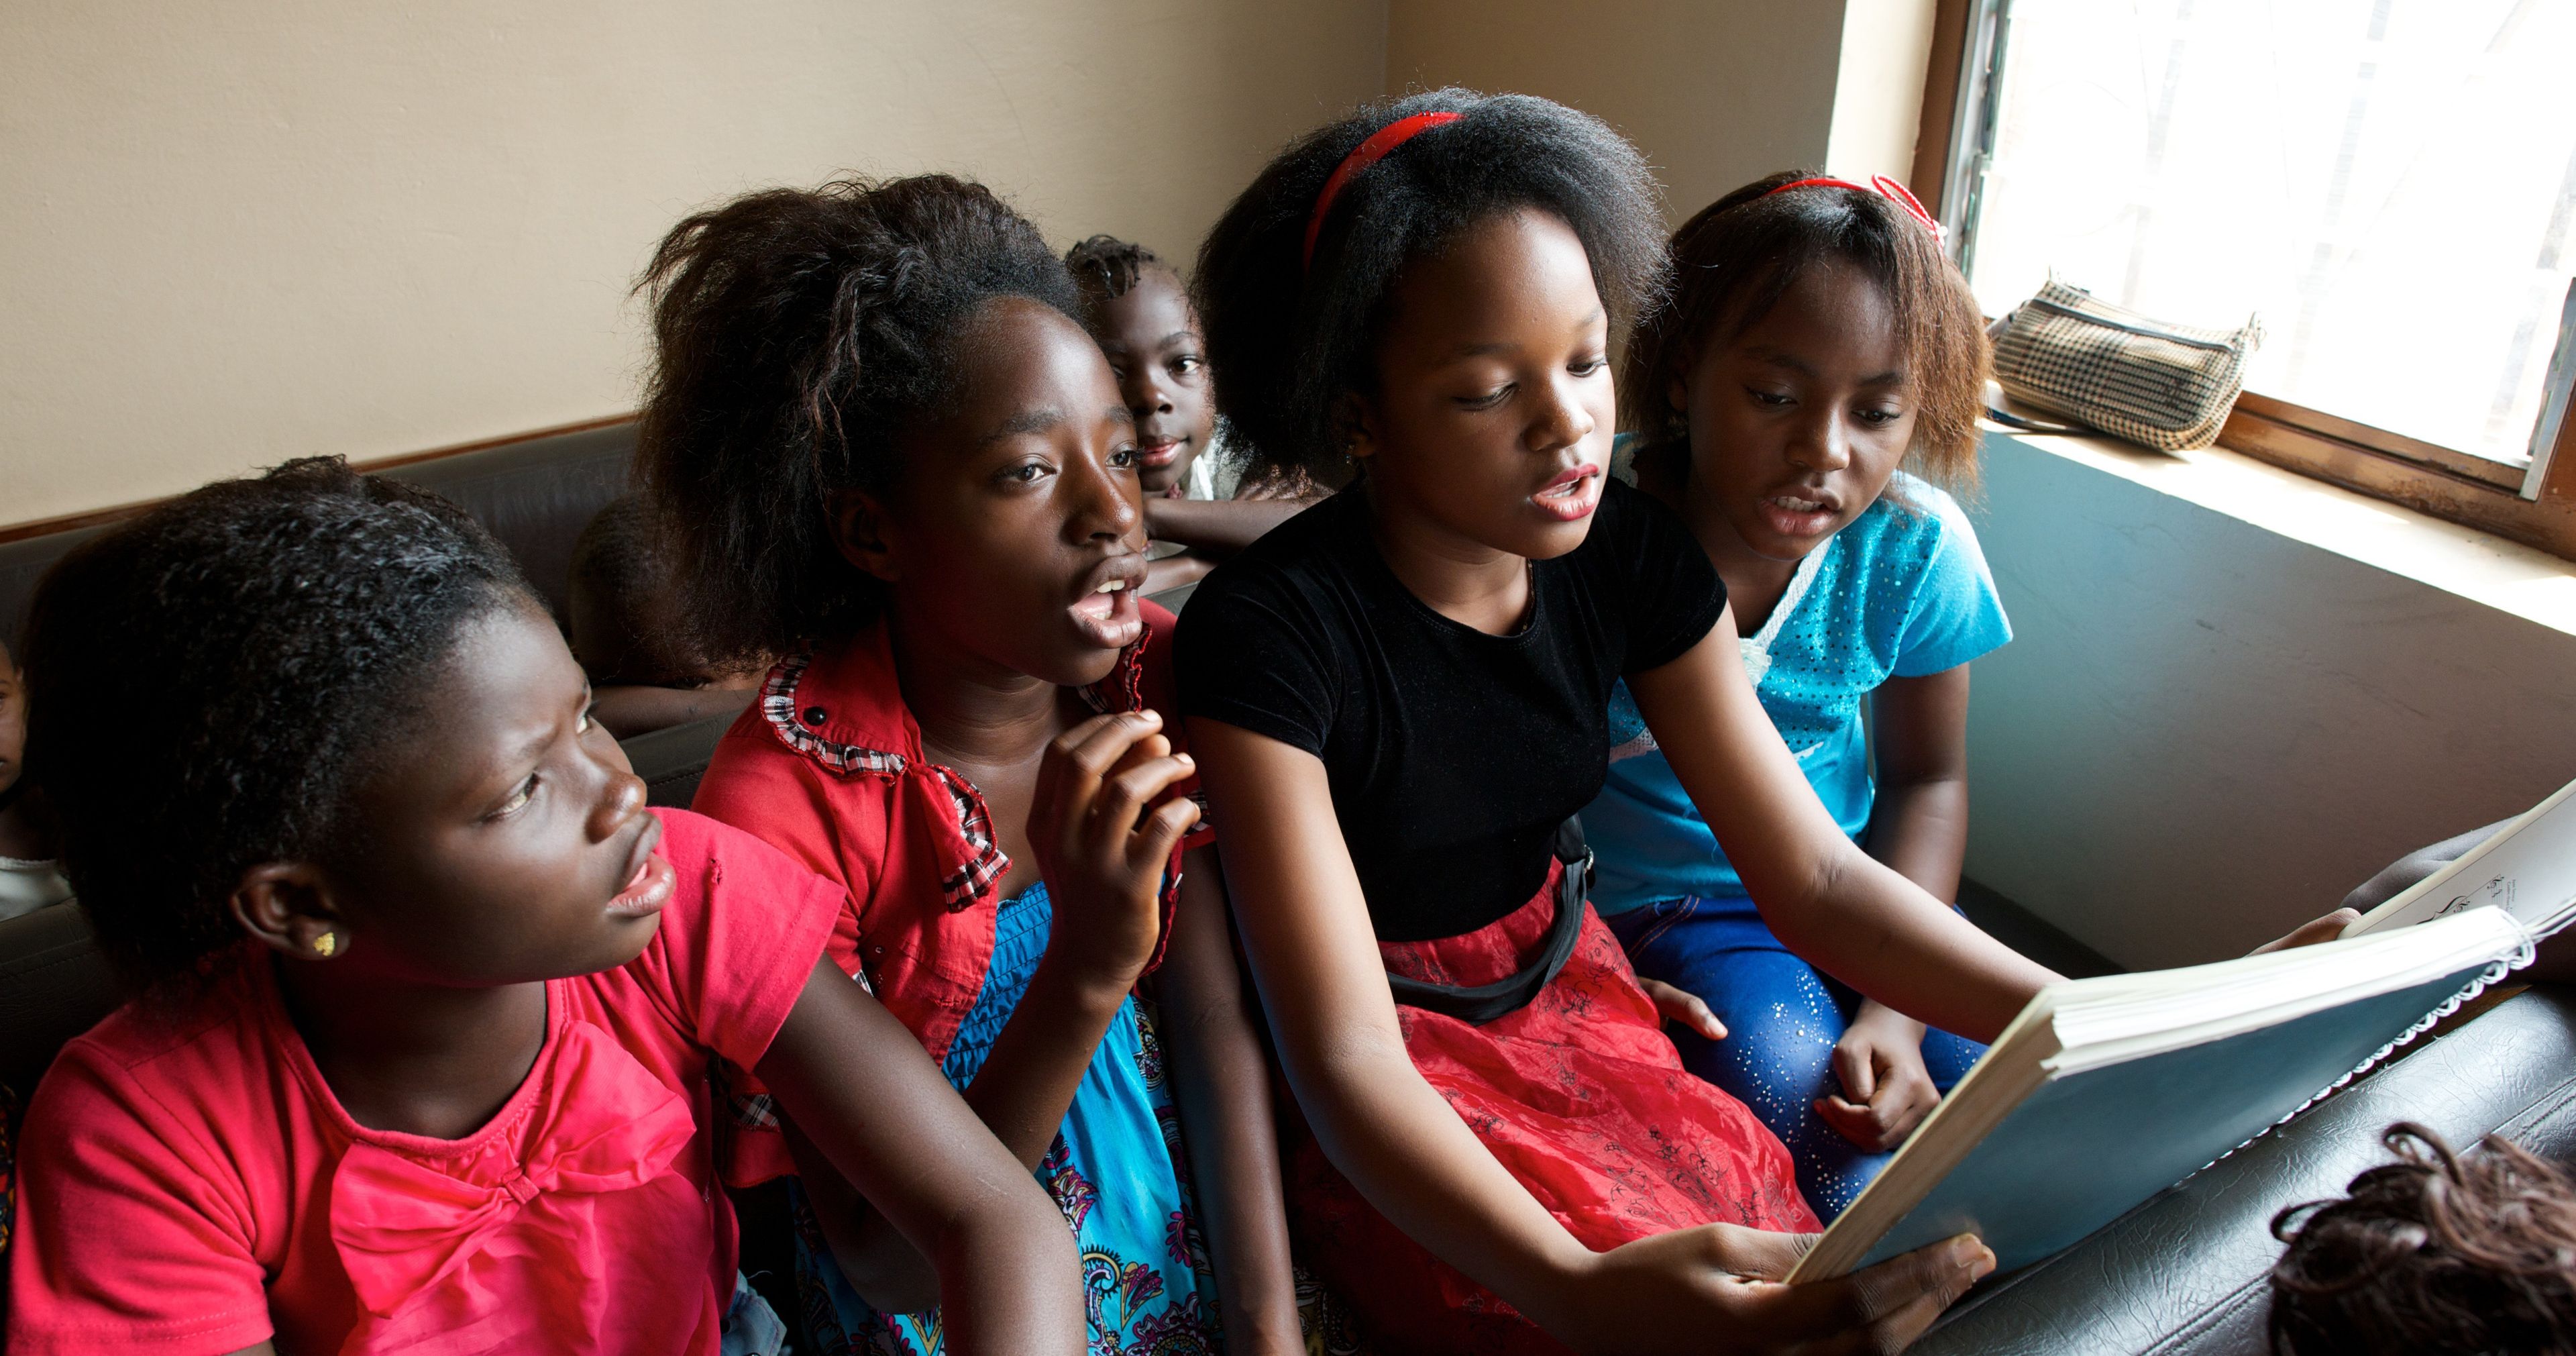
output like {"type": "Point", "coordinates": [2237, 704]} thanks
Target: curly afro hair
{"type": "Point", "coordinates": [798, 334]}
{"type": "Point", "coordinates": [2434, 1255]}
{"type": "Point", "coordinates": [1292, 339]}
{"type": "Point", "coordinates": [210, 682]}
{"type": "Point", "coordinates": [1734, 261]}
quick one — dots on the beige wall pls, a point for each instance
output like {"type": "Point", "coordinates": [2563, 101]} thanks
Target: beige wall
{"type": "Point", "coordinates": [1716, 92]}
{"type": "Point", "coordinates": [239, 232]}
{"type": "Point", "coordinates": [236, 232]}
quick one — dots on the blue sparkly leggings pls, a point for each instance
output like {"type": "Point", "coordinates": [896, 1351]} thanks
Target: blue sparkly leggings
{"type": "Point", "coordinates": [1782, 1019]}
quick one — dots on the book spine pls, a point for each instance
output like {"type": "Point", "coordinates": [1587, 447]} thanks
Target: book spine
{"type": "Point", "coordinates": [2494, 974]}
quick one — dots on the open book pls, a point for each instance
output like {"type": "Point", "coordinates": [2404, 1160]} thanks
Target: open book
{"type": "Point", "coordinates": [2528, 868]}
{"type": "Point", "coordinates": [2105, 1091]}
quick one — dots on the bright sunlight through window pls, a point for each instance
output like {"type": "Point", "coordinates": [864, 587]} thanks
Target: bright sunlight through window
{"type": "Point", "coordinates": [2389, 184]}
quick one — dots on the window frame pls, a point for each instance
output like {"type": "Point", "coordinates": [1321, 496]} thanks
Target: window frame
{"type": "Point", "coordinates": [2533, 505]}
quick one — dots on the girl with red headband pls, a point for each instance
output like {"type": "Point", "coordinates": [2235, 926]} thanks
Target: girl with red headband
{"type": "Point", "coordinates": [1818, 340]}
{"type": "Point", "coordinates": [1400, 698]}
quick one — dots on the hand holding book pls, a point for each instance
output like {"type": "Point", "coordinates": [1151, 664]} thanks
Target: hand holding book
{"type": "Point", "coordinates": [1719, 1288]}
{"type": "Point", "coordinates": [2104, 1091]}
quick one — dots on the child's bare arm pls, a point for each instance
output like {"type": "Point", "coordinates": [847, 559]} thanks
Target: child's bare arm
{"type": "Point", "coordinates": [1102, 833]}
{"type": "Point", "coordinates": [857, 1084]}
{"type": "Point", "coordinates": [1919, 828]}
{"type": "Point", "coordinates": [1919, 741]}
{"type": "Point", "coordinates": [1221, 1083]}
{"type": "Point", "coordinates": [1823, 897]}
{"type": "Point", "coordinates": [1104, 873]}
{"type": "Point", "coordinates": [1170, 572]}
{"type": "Point", "coordinates": [1219, 527]}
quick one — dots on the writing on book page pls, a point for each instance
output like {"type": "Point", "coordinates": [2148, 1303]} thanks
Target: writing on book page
{"type": "Point", "coordinates": [2528, 869]}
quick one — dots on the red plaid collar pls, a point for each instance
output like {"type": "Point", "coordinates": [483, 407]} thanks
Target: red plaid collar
{"type": "Point", "coordinates": [843, 709]}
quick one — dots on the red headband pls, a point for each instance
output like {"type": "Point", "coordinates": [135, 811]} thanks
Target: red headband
{"type": "Point", "coordinates": [1879, 184]}
{"type": "Point", "coordinates": [1362, 156]}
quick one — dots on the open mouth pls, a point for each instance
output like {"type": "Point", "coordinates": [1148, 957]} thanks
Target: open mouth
{"type": "Point", "coordinates": [1800, 513]}
{"type": "Point", "coordinates": [649, 878]}
{"type": "Point", "coordinates": [1105, 611]}
{"type": "Point", "coordinates": [1573, 494]}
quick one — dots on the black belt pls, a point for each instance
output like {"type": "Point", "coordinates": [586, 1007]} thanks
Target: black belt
{"type": "Point", "coordinates": [1482, 1003]}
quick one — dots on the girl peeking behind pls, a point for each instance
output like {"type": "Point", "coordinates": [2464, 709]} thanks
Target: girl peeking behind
{"type": "Point", "coordinates": [1817, 340]}
{"type": "Point", "coordinates": [434, 1012]}
{"type": "Point", "coordinates": [1199, 508]}
{"type": "Point", "coordinates": [1401, 697]}
{"type": "Point", "coordinates": [882, 445]}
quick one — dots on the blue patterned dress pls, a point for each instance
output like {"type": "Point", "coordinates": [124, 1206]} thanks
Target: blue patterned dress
{"type": "Point", "coordinates": [1115, 1169]}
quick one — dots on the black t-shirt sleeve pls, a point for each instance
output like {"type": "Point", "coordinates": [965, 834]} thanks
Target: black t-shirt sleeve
{"type": "Point", "coordinates": [1248, 654]}
{"type": "Point", "coordinates": [1674, 595]}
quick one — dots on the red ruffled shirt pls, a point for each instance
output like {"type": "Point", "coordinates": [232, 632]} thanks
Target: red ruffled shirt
{"type": "Point", "coordinates": [828, 766]}
{"type": "Point", "coordinates": [196, 1186]}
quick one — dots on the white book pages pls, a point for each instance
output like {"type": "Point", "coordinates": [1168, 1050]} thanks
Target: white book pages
{"type": "Point", "coordinates": [2076, 1030]}
{"type": "Point", "coordinates": [2528, 869]}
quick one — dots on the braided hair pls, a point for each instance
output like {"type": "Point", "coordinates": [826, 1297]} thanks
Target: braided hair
{"type": "Point", "coordinates": [1292, 338]}
{"type": "Point", "coordinates": [2434, 1254]}
{"type": "Point", "coordinates": [1734, 261]}
{"type": "Point", "coordinates": [798, 334]}
{"type": "Point", "coordinates": [210, 683]}
{"type": "Point", "coordinates": [1106, 266]}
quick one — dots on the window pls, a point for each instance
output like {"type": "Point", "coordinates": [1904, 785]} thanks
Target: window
{"type": "Point", "coordinates": [2389, 184]}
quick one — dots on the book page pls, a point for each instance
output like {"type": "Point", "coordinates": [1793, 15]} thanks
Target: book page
{"type": "Point", "coordinates": [2528, 868]}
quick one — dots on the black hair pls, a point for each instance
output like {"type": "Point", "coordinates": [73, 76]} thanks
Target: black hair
{"type": "Point", "coordinates": [798, 333]}
{"type": "Point", "coordinates": [1292, 339]}
{"type": "Point", "coordinates": [2436, 1254]}
{"type": "Point", "coordinates": [619, 606]}
{"type": "Point", "coordinates": [1106, 266]}
{"type": "Point", "coordinates": [209, 684]}
{"type": "Point", "coordinates": [1737, 258]}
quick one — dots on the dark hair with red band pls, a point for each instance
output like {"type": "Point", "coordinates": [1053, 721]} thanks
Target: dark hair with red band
{"type": "Point", "coordinates": [1362, 156]}
{"type": "Point", "coordinates": [1879, 184]}
{"type": "Point", "coordinates": [1294, 281]}
{"type": "Point", "coordinates": [1741, 254]}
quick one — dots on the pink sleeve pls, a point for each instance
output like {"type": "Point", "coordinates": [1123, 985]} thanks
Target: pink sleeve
{"type": "Point", "coordinates": [132, 1231]}
{"type": "Point", "coordinates": [735, 957]}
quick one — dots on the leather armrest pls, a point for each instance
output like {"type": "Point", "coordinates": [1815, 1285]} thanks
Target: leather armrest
{"type": "Point", "coordinates": [54, 985]}
{"type": "Point", "coordinates": [2187, 1272]}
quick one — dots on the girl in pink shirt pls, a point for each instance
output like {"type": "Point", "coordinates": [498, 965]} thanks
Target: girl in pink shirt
{"type": "Point", "coordinates": [434, 1020]}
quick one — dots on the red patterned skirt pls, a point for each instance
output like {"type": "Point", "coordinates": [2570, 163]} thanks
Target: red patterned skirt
{"type": "Point", "coordinates": [1580, 1096]}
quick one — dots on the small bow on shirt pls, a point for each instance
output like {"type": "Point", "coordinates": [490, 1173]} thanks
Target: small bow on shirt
{"type": "Point", "coordinates": [604, 1123]}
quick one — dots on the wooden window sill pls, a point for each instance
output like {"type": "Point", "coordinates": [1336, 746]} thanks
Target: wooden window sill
{"type": "Point", "coordinates": [2484, 566]}
{"type": "Point", "coordinates": [2471, 491]}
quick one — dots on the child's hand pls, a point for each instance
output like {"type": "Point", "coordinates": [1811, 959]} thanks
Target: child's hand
{"type": "Point", "coordinates": [1716, 1289]}
{"type": "Point", "coordinates": [2311, 932]}
{"type": "Point", "coordinates": [1683, 1008]}
{"type": "Point", "coordinates": [1103, 830]}
{"type": "Point", "coordinates": [1887, 1090]}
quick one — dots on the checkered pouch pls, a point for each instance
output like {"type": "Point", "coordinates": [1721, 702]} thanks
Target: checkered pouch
{"type": "Point", "coordinates": [2166, 386]}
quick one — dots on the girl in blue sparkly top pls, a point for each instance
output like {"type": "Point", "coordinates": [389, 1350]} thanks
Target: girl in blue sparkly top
{"type": "Point", "coordinates": [1818, 369]}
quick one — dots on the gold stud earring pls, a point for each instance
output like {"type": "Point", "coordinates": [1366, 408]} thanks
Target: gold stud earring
{"type": "Point", "coordinates": [325, 944]}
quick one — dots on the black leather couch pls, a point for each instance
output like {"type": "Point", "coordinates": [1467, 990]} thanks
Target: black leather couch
{"type": "Point", "coordinates": [2181, 1275]}
{"type": "Point", "coordinates": [534, 494]}
{"type": "Point", "coordinates": [2185, 1273]}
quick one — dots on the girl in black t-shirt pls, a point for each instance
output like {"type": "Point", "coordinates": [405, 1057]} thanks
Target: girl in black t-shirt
{"type": "Point", "coordinates": [1397, 698]}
